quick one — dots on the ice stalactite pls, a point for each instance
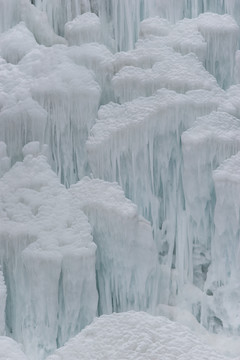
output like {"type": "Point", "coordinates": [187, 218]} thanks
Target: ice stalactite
{"type": "Point", "coordinates": [47, 255]}
{"type": "Point", "coordinates": [126, 265]}
{"type": "Point", "coordinates": [222, 285]}
{"type": "Point", "coordinates": [4, 159]}
{"type": "Point", "coordinates": [23, 122]}
{"type": "Point", "coordinates": [143, 137]}
{"type": "Point", "coordinates": [52, 99]}
{"type": "Point", "coordinates": [84, 28]}
{"type": "Point", "coordinates": [205, 145]}
{"type": "Point", "coordinates": [3, 297]}
{"type": "Point", "coordinates": [173, 72]}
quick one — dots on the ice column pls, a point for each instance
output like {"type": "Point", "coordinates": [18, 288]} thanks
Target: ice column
{"type": "Point", "coordinates": [3, 296]}
{"type": "Point", "coordinates": [137, 144]}
{"type": "Point", "coordinates": [221, 308]}
{"type": "Point", "coordinates": [47, 257]}
{"type": "Point", "coordinates": [71, 98]}
{"type": "Point", "coordinates": [126, 253]}
{"type": "Point", "coordinates": [211, 139]}
{"type": "Point", "coordinates": [4, 159]}
{"type": "Point", "coordinates": [23, 122]}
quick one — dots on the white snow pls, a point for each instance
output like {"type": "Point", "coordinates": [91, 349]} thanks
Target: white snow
{"type": "Point", "coordinates": [84, 28]}
{"type": "Point", "coordinates": [10, 349]}
{"type": "Point", "coordinates": [137, 336]}
{"type": "Point", "coordinates": [16, 42]}
{"type": "Point", "coordinates": [173, 72]}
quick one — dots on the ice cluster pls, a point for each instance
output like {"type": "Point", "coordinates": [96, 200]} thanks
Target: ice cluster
{"type": "Point", "coordinates": [119, 176]}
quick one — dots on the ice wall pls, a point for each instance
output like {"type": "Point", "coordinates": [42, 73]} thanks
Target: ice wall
{"type": "Point", "coordinates": [121, 20]}
{"type": "Point", "coordinates": [127, 265]}
{"type": "Point", "coordinates": [222, 285]}
{"type": "Point", "coordinates": [3, 296]}
{"type": "Point", "coordinates": [137, 144]}
{"type": "Point", "coordinates": [205, 145]}
{"type": "Point", "coordinates": [47, 257]}
{"type": "Point", "coordinates": [4, 159]}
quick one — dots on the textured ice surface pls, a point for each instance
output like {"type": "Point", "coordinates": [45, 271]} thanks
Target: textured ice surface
{"type": "Point", "coordinates": [13, 11]}
{"type": "Point", "coordinates": [23, 122]}
{"type": "Point", "coordinates": [212, 139]}
{"type": "Point", "coordinates": [16, 42]}
{"type": "Point", "coordinates": [4, 159]}
{"type": "Point", "coordinates": [126, 254]}
{"type": "Point", "coordinates": [10, 350]}
{"type": "Point", "coordinates": [135, 336]}
{"type": "Point", "coordinates": [70, 97]}
{"type": "Point", "coordinates": [47, 257]}
{"type": "Point", "coordinates": [174, 72]}
{"type": "Point", "coordinates": [137, 144]}
{"type": "Point", "coordinates": [223, 276]}
{"type": "Point", "coordinates": [84, 28]}
{"type": "Point", "coordinates": [3, 296]}
{"type": "Point", "coordinates": [212, 37]}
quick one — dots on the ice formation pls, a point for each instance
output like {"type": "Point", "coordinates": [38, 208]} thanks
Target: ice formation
{"type": "Point", "coordinates": [126, 253]}
{"type": "Point", "coordinates": [3, 296]}
{"type": "Point", "coordinates": [129, 112]}
{"type": "Point", "coordinates": [211, 140]}
{"type": "Point", "coordinates": [47, 255]}
{"type": "Point", "coordinates": [222, 285]}
{"type": "Point", "coordinates": [84, 28]}
{"type": "Point", "coordinates": [137, 336]}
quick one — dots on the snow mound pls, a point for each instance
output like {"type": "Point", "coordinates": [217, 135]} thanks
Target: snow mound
{"type": "Point", "coordinates": [10, 349]}
{"type": "Point", "coordinates": [16, 42]}
{"type": "Point", "coordinates": [84, 28]}
{"type": "Point", "coordinates": [135, 336]}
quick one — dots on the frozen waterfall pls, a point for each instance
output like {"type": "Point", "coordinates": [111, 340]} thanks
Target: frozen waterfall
{"type": "Point", "coordinates": [119, 172]}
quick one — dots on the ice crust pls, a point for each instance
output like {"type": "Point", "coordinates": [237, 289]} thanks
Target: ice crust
{"type": "Point", "coordinates": [126, 252]}
{"type": "Point", "coordinates": [45, 242]}
{"type": "Point", "coordinates": [135, 336]}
